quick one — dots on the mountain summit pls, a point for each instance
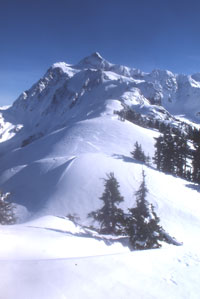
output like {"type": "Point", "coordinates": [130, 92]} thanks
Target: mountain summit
{"type": "Point", "coordinates": [95, 60]}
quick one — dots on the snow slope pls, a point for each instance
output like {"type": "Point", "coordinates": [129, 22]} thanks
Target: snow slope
{"type": "Point", "coordinates": [58, 141]}
{"type": "Point", "coordinates": [49, 259]}
{"type": "Point", "coordinates": [67, 165]}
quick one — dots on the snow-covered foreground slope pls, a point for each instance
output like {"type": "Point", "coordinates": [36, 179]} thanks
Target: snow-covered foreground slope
{"type": "Point", "coordinates": [52, 237]}
{"type": "Point", "coordinates": [51, 258]}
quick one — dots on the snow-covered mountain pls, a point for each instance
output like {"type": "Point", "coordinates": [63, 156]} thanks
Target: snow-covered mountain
{"type": "Point", "coordinates": [70, 93]}
{"type": "Point", "coordinates": [65, 123]}
{"type": "Point", "coordinates": [61, 136]}
{"type": "Point", "coordinates": [59, 140]}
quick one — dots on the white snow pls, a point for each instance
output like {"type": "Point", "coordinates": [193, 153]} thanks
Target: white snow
{"type": "Point", "coordinates": [45, 259]}
{"type": "Point", "coordinates": [77, 140]}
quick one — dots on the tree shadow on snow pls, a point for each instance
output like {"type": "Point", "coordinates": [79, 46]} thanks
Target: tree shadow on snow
{"type": "Point", "coordinates": [126, 159]}
{"type": "Point", "coordinates": [124, 240]}
{"type": "Point", "coordinates": [195, 187]}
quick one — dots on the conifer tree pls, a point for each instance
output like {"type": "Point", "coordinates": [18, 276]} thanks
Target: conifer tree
{"type": "Point", "coordinates": [172, 152]}
{"type": "Point", "coordinates": [181, 155]}
{"type": "Point", "coordinates": [158, 156]}
{"type": "Point", "coordinates": [110, 216]}
{"type": "Point", "coordinates": [138, 153]}
{"type": "Point", "coordinates": [7, 215]}
{"type": "Point", "coordinates": [168, 164]}
{"type": "Point", "coordinates": [196, 164]}
{"type": "Point", "coordinates": [143, 224]}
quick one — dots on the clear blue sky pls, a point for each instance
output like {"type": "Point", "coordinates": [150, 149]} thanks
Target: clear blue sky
{"type": "Point", "coordinates": [145, 34]}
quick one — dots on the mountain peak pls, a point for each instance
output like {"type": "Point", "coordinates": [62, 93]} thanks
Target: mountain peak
{"type": "Point", "coordinates": [96, 55]}
{"type": "Point", "coordinates": [95, 60]}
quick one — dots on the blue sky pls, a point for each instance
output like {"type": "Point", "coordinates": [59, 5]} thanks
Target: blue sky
{"type": "Point", "coordinates": [145, 34]}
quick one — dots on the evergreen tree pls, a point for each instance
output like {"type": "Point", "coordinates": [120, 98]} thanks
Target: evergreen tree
{"type": "Point", "coordinates": [148, 160]}
{"type": "Point", "coordinates": [138, 153]}
{"type": "Point", "coordinates": [158, 156]}
{"type": "Point", "coordinates": [196, 164]}
{"type": "Point", "coordinates": [181, 155]}
{"type": "Point", "coordinates": [110, 216]}
{"type": "Point", "coordinates": [168, 164]}
{"type": "Point", "coordinates": [195, 136]}
{"type": "Point", "coordinates": [172, 152]}
{"type": "Point", "coordinates": [157, 124]}
{"type": "Point", "coordinates": [162, 127]}
{"type": "Point", "coordinates": [7, 215]}
{"type": "Point", "coordinates": [143, 224]}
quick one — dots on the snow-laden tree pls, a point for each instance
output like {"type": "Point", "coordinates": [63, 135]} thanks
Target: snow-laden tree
{"type": "Point", "coordinates": [143, 224]}
{"type": "Point", "coordinates": [7, 215]}
{"type": "Point", "coordinates": [138, 153]}
{"type": "Point", "coordinates": [110, 216]}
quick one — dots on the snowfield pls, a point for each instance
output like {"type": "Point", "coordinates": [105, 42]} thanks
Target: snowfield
{"type": "Point", "coordinates": [51, 258]}
{"type": "Point", "coordinates": [58, 142]}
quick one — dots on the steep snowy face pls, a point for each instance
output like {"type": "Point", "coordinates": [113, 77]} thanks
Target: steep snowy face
{"type": "Point", "coordinates": [179, 94]}
{"type": "Point", "coordinates": [160, 87]}
{"type": "Point", "coordinates": [59, 96]}
{"type": "Point", "coordinates": [196, 77]}
{"type": "Point", "coordinates": [56, 76]}
{"type": "Point", "coordinates": [188, 95]}
{"type": "Point", "coordinates": [94, 61]}
{"type": "Point", "coordinates": [164, 78]}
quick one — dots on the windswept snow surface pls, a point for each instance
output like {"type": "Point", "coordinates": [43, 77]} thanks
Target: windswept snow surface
{"type": "Point", "coordinates": [68, 165]}
{"type": "Point", "coordinates": [58, 141]}
{"type": "Point", "coordinates": [51, 258]}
